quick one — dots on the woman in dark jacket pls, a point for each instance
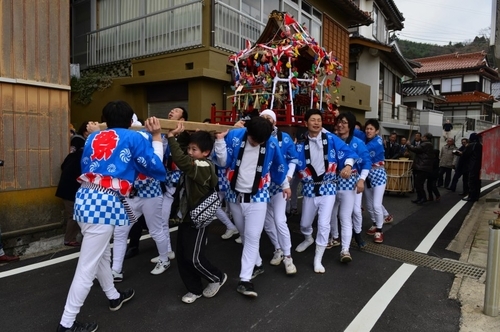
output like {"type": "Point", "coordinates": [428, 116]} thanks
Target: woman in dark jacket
{"type": "Point", "coordinates": [422, 165]}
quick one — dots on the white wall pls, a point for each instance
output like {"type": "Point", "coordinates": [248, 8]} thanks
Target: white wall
{"type": "Point", "coordinates": [368, 73]}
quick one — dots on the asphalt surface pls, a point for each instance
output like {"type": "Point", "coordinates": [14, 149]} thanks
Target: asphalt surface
{"type": "Point", "coordinates": [34, 300]}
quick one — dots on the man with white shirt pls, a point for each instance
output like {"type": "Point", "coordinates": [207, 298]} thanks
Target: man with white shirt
{"type": "Point", "coordinates": [319, 156]}
{"type": "Point", "coordinates": [253, 159]}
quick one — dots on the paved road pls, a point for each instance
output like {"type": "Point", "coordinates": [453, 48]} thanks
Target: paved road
{"type": "Point", "coordinates": [34, 300]}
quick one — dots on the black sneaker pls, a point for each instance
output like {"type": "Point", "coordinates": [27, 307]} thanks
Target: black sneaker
{"type": "Point", "coordinates": [257, 270]}
{"type": "Point", "coordinates": [78, 327]}
{"type": "Point", "coordinates": [125, 295]}
{"type": "Point", "coordinates": [246, 288]}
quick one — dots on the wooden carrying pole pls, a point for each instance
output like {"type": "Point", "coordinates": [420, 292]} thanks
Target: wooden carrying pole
{"type": "Point", "coordinates": [167, 125]}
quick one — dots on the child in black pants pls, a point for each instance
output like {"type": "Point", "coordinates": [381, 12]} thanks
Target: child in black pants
{"type": "Point", "coordinates": [199, 179]}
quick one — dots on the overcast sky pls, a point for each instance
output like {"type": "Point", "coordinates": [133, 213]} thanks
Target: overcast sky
{"type": "Point", "coordinates": [442, 21]}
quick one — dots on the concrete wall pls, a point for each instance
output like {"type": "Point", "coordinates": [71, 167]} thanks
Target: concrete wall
{"type": "Point", "coordinates": [34, 112]}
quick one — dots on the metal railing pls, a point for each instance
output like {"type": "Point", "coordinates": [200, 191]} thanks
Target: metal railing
{"type": "Point", "coordinates": [233, 28]}
{"type": "Point", "coordinates": [174, 28]}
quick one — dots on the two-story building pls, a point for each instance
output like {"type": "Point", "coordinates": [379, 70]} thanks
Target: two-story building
{"type": "Point", "coordinates": [377, 62]}
{"type": "Point", "coordinates": [465, 83]}
{"type": "Point", "coordinates": [164, 53]}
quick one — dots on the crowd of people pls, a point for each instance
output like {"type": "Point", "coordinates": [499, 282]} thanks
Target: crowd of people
{"type": "Point", "coordinates": [116, 182]}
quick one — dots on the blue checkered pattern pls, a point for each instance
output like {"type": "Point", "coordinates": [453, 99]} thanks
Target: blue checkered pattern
{"type": "Point", "coordinates": [274, 189]}
{"type": "Point", "coordinates": [95, 207]}
{"type": "Point", "coordinates": [325, 189]}
{"type": "Point", "coordinates": [347, 184]}
{"type": "Point", "coordinates": [222, 180]}
{"type": "Point", "coordinates": [377, 176]}
{"type": "Point", "coordinates": [173, 178]}
{"type": "Point", "coordinates": [148, 188]}
{"type": "Point", "coordinates": [262, 196]}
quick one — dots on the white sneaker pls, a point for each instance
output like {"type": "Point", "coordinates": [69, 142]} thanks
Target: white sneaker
{"type": "Point", "coordinates": [304, 244]}
{"type": "Point", "coordinates": [160, 267]}
{"type": "Point", "coordinates": [213, 287]}
{"type": "Point", "coordinates": [345, 256]}
{"type": "Point", "coordinates": [277, 258]}
{"type": "Point", "coordinates": [289, 266]}
{"type": "Point", "coordinates": [238, 240]}
{"type": "Point", "coordinates": [190, 298]}
{"type": "Point", "coordinates": [229, 233]}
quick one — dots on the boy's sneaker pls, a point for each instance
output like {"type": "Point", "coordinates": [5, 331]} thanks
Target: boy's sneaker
{"type": "Point", "coordinates": [371, 231]}
{"type": "Point", "coordinates": [345, 256]}
{"type": "Point", "coordinates": [378, 237]}
{"type": "Point", "coordinates": [289, 266]}
{"type": "Point", "coordinates": [213, 288]}
{"type": "Point", "coordinates": [190, 298]}
{"type": "Point", "coordinates": [117, 276]}
{"type": "Point", "coordinates": [125, 296]}
{"type": "Point", "coordinates": [229, 233]}
{"type": "Point", "coordinates": [160, 267]}
{"type": "Point", "coordinates": [277, 258]}
{"type": "Point", "coordinates": [257, 270]}
{"type": "Point", "coordinates": [238, 240]}
{"type": "Point", "coordinates": [388, 219]}
{"type": "Point", "coordinates": [78, 327]}
{"type": "Point", "coordinates": [246, 288]}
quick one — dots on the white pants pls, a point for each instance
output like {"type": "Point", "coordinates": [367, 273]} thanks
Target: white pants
{"type": "Point", "coordinates": [357, 214]}
{"type": "Point", "coordinates": [152, 210]}
{"type": "Point", "coordinates": [276, 226]}
{"type": "Point", "coordinates": [168, 200]}
{"type": "Point", "coordinates": [249, 220]}
{"type": "Point", "coordinates": [374, 197]}
{"type": "Point", "coordinates": [343, 208]}
{"type": "Point", "coordinates": [221, 215]}
{"type": "Point", "coordinates": [323, 205]}
{"type": "Point", "coordinates": [94, 262]}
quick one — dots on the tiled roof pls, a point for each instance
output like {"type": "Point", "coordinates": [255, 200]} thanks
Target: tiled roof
{"type": "Point", "coordinates": [417, 88]}
{"type": "Point", "coordinates": [454, 61]}
{"type": "Point", "coordinates": [468, 97]}
{"type": "Point", "coordinates": [354, 15]}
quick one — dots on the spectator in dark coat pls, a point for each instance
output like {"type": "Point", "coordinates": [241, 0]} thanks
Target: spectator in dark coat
{"type": "Point", "coordinates": [473, 155]}
{"type": "Point", "coordinates": [459, 169]}
{"type": "Point", "coordinates": [68, 186]}
{"type": "Point", "coordinates": [422, 165]}
{"type": "Point", "coordinates": [392, 147]}
{"type": "Point", "coordinates": [432, 180]}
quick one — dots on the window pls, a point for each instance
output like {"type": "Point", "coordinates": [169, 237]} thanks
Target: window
{"type": "Point", "coordinates": [451, 85]}
{"type": "Point", "coordinates": [427, 105]}
{"type": "Point", "coordinates": [251, 8]}
{"type": "Point", "coordinates": [379, 30]}
{"type": "Point", "coordinates": [487, 86]}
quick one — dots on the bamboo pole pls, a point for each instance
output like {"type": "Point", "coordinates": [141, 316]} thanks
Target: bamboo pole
{"type": "Point", "coordinates": [167, 125]}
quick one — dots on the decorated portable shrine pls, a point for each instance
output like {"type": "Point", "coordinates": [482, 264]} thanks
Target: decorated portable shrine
{"type": "Point", "coordinates": [287, 71]}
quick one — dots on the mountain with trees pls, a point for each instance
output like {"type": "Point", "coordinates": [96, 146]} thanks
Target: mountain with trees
{"type": "Point", "coordinates": [415, 50]}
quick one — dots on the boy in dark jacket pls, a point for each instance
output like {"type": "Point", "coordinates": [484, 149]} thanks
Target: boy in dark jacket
{"type": "Point", "coordinates": [199, 178]}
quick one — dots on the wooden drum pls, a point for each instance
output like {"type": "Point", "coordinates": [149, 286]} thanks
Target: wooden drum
{"type": "Point", "coordinates": [398, 175]}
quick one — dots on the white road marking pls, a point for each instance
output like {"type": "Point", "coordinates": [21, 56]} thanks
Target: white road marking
{"type": "Point", "coordinates": [371, 312]}
{"type": "Point", "coordinates": [57, 260]}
